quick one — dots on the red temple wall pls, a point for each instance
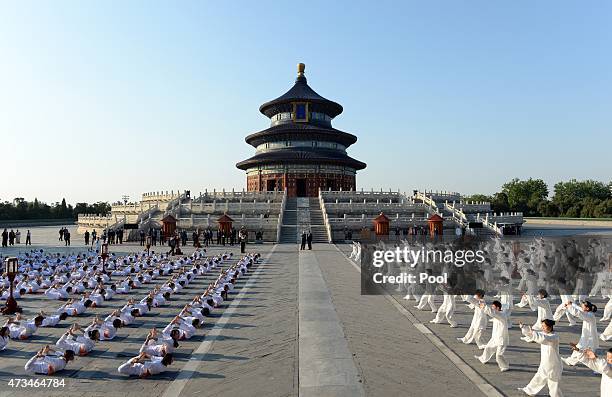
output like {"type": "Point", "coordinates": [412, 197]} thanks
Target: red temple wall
{"type": "Point", "coordinates": [312, 182]}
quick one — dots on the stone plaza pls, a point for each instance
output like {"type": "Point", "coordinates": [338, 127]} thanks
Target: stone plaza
{"type": "Point", "coordinates": [297, 323]}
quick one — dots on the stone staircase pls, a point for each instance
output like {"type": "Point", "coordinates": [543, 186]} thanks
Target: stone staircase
{"type": "Point", "coordinates": [289, 227]}
{"type": "Point", "coordinates": [317, 225]}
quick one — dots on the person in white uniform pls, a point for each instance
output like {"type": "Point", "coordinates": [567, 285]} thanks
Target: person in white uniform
{"type": "Point", "coordinates": [542, 306]}
{"type": "Point", "coordinates": [4, 337]}
{"type": "Point", "coordinates": [447, 309]}
{"type": "Point", "coordinates": [551, 367]}
{"type": "Point", "coordinates": [145, 365]}
{"type": "Point", "coordinates": [48, 361]}
{"type": "Point", "coordinates": [499, 339]}
{"type": "Point", "coordinates": [479, 320]}
{"type": "Point", "coordinates": [589, 339]}
{"type": "Point", "coordinates": [600, 365]}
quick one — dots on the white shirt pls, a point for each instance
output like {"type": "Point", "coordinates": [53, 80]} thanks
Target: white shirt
{"type": "Point", "coordinates": [45, 365]}
{"type": "Point", "coordinates": [551, 365]}
{"type": "Point", "coordinates": [600, 365]}
{"type": "Point", "coordinates": [589, 337]}
{"type": "Point", "coordinates": [500, 336]}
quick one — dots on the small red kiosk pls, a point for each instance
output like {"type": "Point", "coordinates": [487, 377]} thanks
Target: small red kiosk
{"type": "Point", "coordinates": [436, 225]}
{"type": "Point", "coordinates": [381, 225]}
{"type": "Point", "coordinates": [225, 224]}
{"type": "Point", "coordinates": [168, 226]}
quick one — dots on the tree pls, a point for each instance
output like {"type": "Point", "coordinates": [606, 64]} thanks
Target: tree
{"type": "Point", "coordinates": [569, 194]}
{"type": "Point", "coordinates": [499, 203]}
{"type": "Point", "coordinates": [604, 209]}
{"type": "Point", "coordinates": [548, 208]}
{"type": "Point", "coordinates": [525, 196]}
{"type": "Point", "coordinates": [478, 198]}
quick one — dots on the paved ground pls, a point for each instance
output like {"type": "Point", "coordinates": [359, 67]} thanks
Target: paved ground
{"type": "Point", "coordinates": [297, 325]}
{"type": "Point", "coordinates": [523, 357]}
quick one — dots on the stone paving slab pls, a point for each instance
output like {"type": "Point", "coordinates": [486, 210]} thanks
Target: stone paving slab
{"type": "Point", "coordinates": [319, 322]}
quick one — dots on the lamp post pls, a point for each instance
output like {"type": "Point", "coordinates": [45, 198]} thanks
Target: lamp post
{"type": "Point", "coordinates": [11, 267]}
{"type": "Point", "coordinates": [148, 245]}
{"type": "Point", "coordinates": [104, 255]}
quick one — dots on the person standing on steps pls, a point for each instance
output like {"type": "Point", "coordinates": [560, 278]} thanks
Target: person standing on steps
{"type": "Point", "coordinates": [303, 246]}
{"type": "Point", "coordinates": [309, 239]}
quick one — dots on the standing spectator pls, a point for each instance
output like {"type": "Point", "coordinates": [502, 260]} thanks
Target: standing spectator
{"type": "Point", "coordinates": [142, 238]}
{"type": "Point", "coordinates": [28, 238]}
{"type": "Point", "coordinates": [4, 238]}
{"type": "Point", "coordinates": [120, 236]}
{"type": "Point", "coordinates": [172, 244]}
{"type": "Point", "coordinates": [61, 234]}
{"type": "Point", "coordinates": [18, 236]}
{"type": "Point", "coordinates": [309, 239]}
{"type": "Point", "coordinates": [243, 236]}
{"type": "Point", "coordinates": [86, 237]}
{"type": "Point", "coordinates": [94, 234]}
{"type": "Point", "coordinates": [67, 237]}
{"type": "Point", "coordinates": [12, 237]}
{"type": "Point", "coordinates": [303, 245]}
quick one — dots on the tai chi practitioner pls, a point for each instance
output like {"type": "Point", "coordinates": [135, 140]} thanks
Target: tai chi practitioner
{"type": "Point", "coordinates": [542, 306]}
{"type": "Point", "coordinates": [599, 365]}
{"type": "Point", "coordinates": [428, 296]}
{"type": "Point", "coordinates": [499, 339]}
{"type": "Point", "coordinates": [606, 335]}
{"type": "Point", "coordinates": [550, 369]}
{"type": "Point", "coordinates": [607, 314]}
{"type": "Point", "coordinates": [48, 364]}
{"type": "Point", "coordinates": [562, 309]}
{"type": "Point", "coordinates": [479, 320]}
{"type": "Point", "coordinates": [145, 365]}
{"type": "Point", "coordinates": [589, 339]}
{"type": "Point", "coordinates": [531, 281]}
{"type": "Point", "coordinates": [601, 280]}
{"type": "Point", "coordinates": [447, 309]}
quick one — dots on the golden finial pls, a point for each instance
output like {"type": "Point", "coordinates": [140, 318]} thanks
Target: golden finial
{"type": "Point", "coordinates": [301, 68]}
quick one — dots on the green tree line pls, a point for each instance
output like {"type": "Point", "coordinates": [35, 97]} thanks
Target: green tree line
{"type": "Point", "coordinates": [573, 198]}
{"type": "Point", "coordinates": [21, 209]}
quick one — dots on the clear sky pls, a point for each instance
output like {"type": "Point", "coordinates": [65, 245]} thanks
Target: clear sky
{"type": "Point", "coordinates": [101, 99]}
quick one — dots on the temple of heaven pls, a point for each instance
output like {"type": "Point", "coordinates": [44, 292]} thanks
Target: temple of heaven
{"type": "Point", "coordinates": [301, 151]}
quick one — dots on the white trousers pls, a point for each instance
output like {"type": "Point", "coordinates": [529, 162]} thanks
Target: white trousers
{"type": "Point", "coordinates": [539, 381]}
{"type": "Point", "coordinates": [498, 351]}
{"type": "Point", "coordinates": [427, 299]}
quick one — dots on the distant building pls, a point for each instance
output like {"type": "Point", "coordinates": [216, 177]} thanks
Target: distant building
{"type": "Point", "coordinates": [301, 151]}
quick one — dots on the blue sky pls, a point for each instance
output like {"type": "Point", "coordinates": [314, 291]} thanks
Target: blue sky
{"type": "Point", "coordinates": [100, 99]}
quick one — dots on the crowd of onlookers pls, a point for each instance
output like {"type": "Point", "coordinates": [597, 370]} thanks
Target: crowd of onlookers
{"type": "Point", "coordinates": [14, 237]}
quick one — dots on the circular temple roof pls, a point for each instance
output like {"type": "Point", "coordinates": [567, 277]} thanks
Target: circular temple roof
{"type": "Point", "coordinates": [301, 155]}
{"type": "Point", "coordinates": [294, 131]}
{"type": "Point", "coordinates": [301, 91]}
